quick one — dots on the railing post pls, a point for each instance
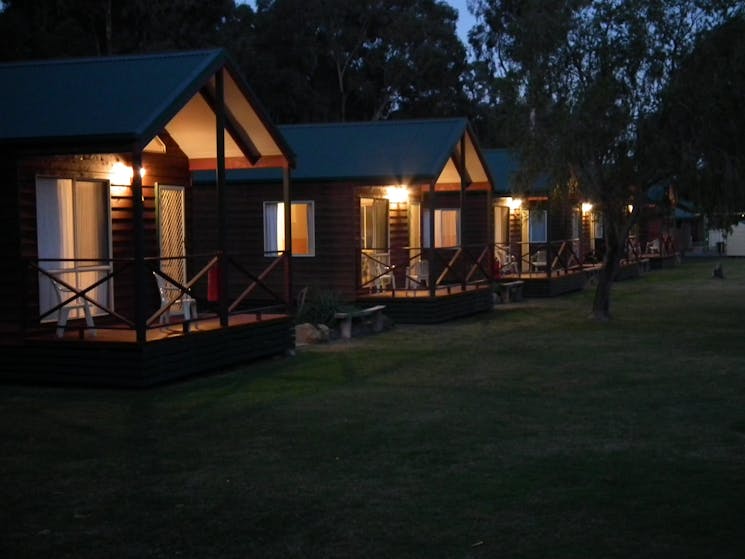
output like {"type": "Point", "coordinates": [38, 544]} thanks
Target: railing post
{"type": "Point", "coordinates": [140, 269]}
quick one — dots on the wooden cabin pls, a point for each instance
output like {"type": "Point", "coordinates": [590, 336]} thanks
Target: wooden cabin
{"type": "Point", "coordinates": [104, 284]}
{"type": "Point", "coordinates": [544, 239]}
{"type": "Point", "coordinates": [393, 213]}
{"type": "Point", "coordinates": [658, 234]}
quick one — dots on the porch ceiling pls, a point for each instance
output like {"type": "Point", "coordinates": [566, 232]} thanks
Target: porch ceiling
{"type": "Point", "coordinates": [476, 169]}
{"type": "Point", "coordinates": [247, 139]}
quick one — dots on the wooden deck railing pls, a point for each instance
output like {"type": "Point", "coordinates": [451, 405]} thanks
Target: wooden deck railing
{"type": "Point", "coordinates": [416, 266]}
{"type": "Point", "coordinates": [79, 292]}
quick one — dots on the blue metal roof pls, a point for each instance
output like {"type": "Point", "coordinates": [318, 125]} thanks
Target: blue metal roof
{"type": "Point", "coordinates": [107, 97]}
{"type": "Point", "coordinates": [106, 104]}
{"type": "Point", "coordinates": [503, 165]}
{"type": "Point", "coordinates": [383, 152]}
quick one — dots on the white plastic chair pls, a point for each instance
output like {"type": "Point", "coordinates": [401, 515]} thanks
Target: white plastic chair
{"type": "Point", "coordinates": [508, 265]}
{"type": "Point", "coordinates": [417, 275]}
{"type": "Point", "coordinates": [385, 277]}
{"type": "Point", "coordinates": [538, 261]}
{"type": "Point", "coordinates": [172, 299]}
{"type": "Point", "coordinates": [62, 293]}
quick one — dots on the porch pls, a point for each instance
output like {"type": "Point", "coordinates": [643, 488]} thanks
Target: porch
{"type": "Point", "coordinates": [420, 306]}
{"type": "Point", "coordinates": [428, 285]}
{"type": "Point", "coordinates": [548, 269]}
{"type": "Point", "coordinates": [187, 327]}
{"type": "Point", "coordinates": [112, 357]}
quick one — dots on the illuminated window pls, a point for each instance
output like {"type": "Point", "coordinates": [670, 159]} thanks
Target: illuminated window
{"type": "Point", "coordinates": [537, 226]}
{"type": "Point", "coordinates": [447, 228]}
{"type": "Point", "coordinates": [303, 237]}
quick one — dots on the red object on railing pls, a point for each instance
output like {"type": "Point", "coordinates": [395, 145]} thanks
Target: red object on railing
{"type": "Point", "coordinates": [213, 284]}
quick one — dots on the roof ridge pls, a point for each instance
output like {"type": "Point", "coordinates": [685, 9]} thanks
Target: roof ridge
{"type": "Point", "coordinates": [107, 58]}
{"type": "Point", "coordinates": [366, 123]}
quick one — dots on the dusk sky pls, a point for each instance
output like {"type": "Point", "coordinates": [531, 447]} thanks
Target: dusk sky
{"type": "Point", "coordinates": [465, 19]}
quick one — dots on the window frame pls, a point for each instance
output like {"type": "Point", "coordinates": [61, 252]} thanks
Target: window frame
{"type": "Point", "coordinates": [270, 252]}
{"type": "Point", "coordinates": [531, 229]}
{"type": "Point", "coordinates": [426, 242]}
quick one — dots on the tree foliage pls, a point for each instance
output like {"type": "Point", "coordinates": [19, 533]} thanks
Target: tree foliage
{"type": "Point", "coordinates": [703, 118]}
{"type": "Point", "coordinates": [309, 60]}
{"type": "Point", "coordinates": [56, 28]}
{"type": "Point", "coordinates": [361, 60]}
{"type": "Point", "coordinates": [587, 77]}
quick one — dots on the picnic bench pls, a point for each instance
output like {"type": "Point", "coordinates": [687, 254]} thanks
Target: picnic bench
{"type": "Point", "coordinates": [373, 314]}
{"type": "Point", "coordinates": [510, 291]}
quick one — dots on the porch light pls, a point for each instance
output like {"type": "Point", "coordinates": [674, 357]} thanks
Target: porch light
{"type": "Point", "coordinates": [514, 203]}
{"type": "Point", "coordinates": [397, 194]}
{"type": "Point", "coordinates": [586, 207]}
{"type": "Point", "coordinates": [630, 208]}
{"type": "Point", "coordinates": [121, 174]}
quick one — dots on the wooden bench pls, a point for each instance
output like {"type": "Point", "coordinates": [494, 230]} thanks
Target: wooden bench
{"type": "Point", "coordinates": [374, 314]}
{"type": "Point", "coordinates": [510, 291]}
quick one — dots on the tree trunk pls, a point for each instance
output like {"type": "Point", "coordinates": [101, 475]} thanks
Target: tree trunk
{"type": "Point", "coordinates": [611, 264]}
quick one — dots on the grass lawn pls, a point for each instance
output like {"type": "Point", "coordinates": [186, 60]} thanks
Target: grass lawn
{"type": "Point", "coordinates": [531, 431]}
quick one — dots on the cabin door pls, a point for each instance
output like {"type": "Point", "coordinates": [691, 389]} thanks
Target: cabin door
{"type": "Point", "coordinates": [171, 232]}
{"type": "Point", "coordinates": [374, 235]}
{"type": "Point", "coordinates": [534, 252]}
{"type": "Point", "coordinates": [73, 233]}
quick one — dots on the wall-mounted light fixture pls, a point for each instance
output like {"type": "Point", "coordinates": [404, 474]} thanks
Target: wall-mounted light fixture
{"type": "Point", "coordinates": [397, 194]}
{"type": "Point", "coordinates": [514, 203]}
{"type": "Point", "coordinates": [586, 207]}
{"type": "Point", "coordinates": [121, 174]}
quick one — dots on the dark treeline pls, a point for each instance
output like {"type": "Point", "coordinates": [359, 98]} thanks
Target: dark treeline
{"type": "Point", "coordinates": [308, 60]}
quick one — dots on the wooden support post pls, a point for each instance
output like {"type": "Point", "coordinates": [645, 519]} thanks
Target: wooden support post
{"type": "Point", "coordinates": [431, 247]}
{"type": "Point", "coordinates": [463, 185]}
{"type": "Point", "coordinates": [140, 269]}
{"type": "Point", "coordinates": [490, 231]}
{"type": "Point", "coordinates": [221, 204]}
{"type": "Point", "coordinates": [286, 197]}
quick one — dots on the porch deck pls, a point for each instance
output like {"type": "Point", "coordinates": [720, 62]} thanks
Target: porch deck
{"type": "Point", "coordinates": [418, 306]}
{"type": "Point", "coordinates": [540, 284]}
{"type": "Point", "coordinates": [112, 357]}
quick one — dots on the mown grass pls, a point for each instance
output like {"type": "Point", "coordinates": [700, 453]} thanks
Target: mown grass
{"type": "Point", "coordinates": [532, 431]}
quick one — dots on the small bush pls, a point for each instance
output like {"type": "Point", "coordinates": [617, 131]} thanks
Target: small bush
{"type": "Point", "coordinates": [320, 307]}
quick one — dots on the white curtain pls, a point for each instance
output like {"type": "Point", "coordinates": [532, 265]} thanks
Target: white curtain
{"type": "Point", "coordinates": [274, 227]}
{"type": "Point", "coordinates": [72, 223]}
{"type": "Point", "coordinates": [446, 228]}
{"type": "Point", "coordinates": [54, 210]}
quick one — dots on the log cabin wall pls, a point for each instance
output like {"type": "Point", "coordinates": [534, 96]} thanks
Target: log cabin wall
{"type": "Point", "coordinates": [336, 233]}
{"type": "Point", "coordinates": [399, 238]}
{"type": "Point", "coordinates": [586, 240]}
{"type": "Point", "coordinates": [516, 234]}
{"type": "Point", "coordinates": [475, 219]}
{"type": "Point", "coordinates": [170, 168]}
{"type": "Point", "coordinates": [11, 280]}
{"type": "Point", "coordinates": [560, 224]}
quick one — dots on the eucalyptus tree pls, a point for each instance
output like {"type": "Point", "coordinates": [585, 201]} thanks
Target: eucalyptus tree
{"type": "Point", "coordinates": [703, 117]}
{"type": "Point", "coordinates": [321, 60]}
{"type": "Point", "coordinates": [59, 28]}
{"type": "Point", "coordinates": [587, 77]}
